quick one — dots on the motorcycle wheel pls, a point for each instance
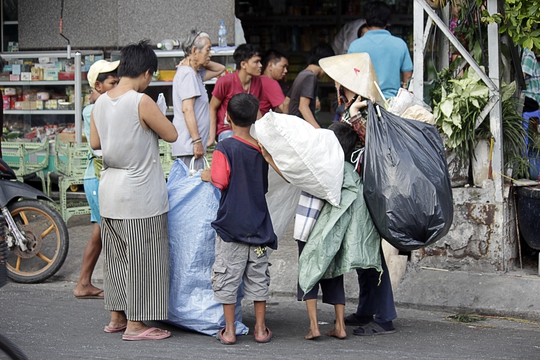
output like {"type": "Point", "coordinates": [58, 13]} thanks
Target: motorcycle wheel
{"type": "Point", "coordinates": [10, 349]}
{"type": "Point", "coordinates": [48, 242]}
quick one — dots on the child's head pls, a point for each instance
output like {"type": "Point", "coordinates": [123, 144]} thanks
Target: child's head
{"type": "Point", "coordinates": [242, 109]}
{"type": "Point", "coordinates": [102, 75]}
{"type": "Point", "coordinates": [136, 59]}
{"type": "Point", "coordinates": [346, 136]}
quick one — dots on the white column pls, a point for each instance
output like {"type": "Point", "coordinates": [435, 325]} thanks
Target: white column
{"type": "Point", "coordinates": [418, 51]}
{"type": "Point", "coordinates": [495, 116]}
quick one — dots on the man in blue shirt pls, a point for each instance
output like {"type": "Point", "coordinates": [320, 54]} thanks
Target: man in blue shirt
{"type": "Point", "coordinates": [389, 54]}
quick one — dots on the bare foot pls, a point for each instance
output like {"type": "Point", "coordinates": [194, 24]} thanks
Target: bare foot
{"type": "Point", "coordinates": [340, 334]}
{"type": "Point", "coordinates": [261, 333]}
{"type": "Point", "coordinates": [313, 335]}
{"type": "Point", "coordinates": [227, 337]}
{"type": "Point", "coordinates": [118, 320]}
{"type": "Point", "coordinates": [89, 290]}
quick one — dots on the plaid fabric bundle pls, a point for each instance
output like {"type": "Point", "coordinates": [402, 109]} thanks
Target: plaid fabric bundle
{"type": "Point", "coordinates": [531, 68]}
{"type": "Point", "coordinates": [307, 212]}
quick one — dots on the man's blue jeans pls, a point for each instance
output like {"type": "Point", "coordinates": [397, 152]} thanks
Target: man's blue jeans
{"type": "Point", "coordinates": [376, 299]}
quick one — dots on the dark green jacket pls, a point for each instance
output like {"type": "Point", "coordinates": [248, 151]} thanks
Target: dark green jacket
{"type": "Point", "coordinates": [343, 238]}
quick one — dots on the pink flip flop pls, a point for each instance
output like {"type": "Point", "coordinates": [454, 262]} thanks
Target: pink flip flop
{"type": "Point", "coordinates": [109, 329]}
{"type": "Point", "coordinates": [219, 336]}
{"type": "Point", "coordinates": [267, 338]}
{"type": "Point", "coordinates": [145, 335]}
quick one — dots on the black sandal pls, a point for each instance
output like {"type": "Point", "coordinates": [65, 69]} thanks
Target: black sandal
{"type": "Point", "coordinates": [371, 329]}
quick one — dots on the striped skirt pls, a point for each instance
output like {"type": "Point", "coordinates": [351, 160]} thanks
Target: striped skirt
{"type": "Point", "coordinates": [136, 266]}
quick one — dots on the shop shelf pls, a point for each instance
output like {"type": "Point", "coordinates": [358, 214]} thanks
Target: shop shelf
{"type": "Point", "coordinates": [36, 82]}
{"type": "Point", "coordinates": [72, 90]}
{"type": "Point", "coordinates": [39, 112]}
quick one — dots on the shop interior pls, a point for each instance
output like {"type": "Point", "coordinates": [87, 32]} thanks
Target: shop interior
{"type": "Point", "coordinates": [294, 27]}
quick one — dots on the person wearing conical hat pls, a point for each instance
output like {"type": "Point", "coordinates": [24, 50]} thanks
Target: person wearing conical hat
{"type": "Point", "coordinates": [356, 81]}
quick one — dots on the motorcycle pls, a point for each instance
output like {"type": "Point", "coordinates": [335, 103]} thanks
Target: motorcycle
{"type": "Point", "coordinates": [36, 235]}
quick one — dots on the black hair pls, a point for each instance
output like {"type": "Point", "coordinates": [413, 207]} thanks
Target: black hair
{"type": "Point", "coordinates": [272, 55]}
{"type": "Point", "coordinates": [319, 52]}
{"type": "Point", "coordinates": [359, 33]}
{"type": "Point", "coordinates": [377, 13]}
{"type": "Point", "coordinates": [136, 59]}
{"type": "Point", "coordinates": [105, 75]}
{"type": "Point", "coordinates": [243, 109]}
{"type": "Point", "coordinates": [245, 52]}
{"type": "Point", "coordinates": [346, 136]}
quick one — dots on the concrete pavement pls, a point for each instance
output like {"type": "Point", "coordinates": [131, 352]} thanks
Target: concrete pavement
{"type": "Point", "coordinates": [514, 294]}
{"type": "Point", "coordinates": [47, 322]}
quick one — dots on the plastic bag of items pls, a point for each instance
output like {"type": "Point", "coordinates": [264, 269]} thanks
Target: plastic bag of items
{"type": "Point", "coordinates": [407, 106]}
{"type": "Point", "coordinates": [310, 159]}
{"type": "Point", "coordinates": [406, 182]}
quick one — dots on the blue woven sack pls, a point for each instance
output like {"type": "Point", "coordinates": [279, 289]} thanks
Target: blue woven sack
{"type": "Point", "coordinates": [193, 206]}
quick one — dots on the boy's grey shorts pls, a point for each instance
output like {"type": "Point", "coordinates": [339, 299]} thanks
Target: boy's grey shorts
{"type": "Point", "coordinates": [236, 262]}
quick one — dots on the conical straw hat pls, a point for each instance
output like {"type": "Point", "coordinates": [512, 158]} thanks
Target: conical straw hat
{"type": "Point", "coordinates": [355, 72]}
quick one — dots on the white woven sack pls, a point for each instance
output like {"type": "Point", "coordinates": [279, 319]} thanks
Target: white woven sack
{"type": "Point", "coordinates": [311, 159]}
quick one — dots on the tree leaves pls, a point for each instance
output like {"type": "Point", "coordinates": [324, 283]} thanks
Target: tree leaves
{"type": "Point", "coordinates": [521, 21]}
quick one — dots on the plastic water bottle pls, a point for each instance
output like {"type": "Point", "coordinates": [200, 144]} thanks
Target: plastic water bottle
{"type": "Point", "coordinates": [222, 34]}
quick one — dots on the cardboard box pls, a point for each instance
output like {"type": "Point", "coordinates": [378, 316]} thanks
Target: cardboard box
{"type": "Point", "coordinates": [37, 73]}
{"type": "Point", "coordinates": [66, 137]}
{"type": "Point", "coordinates": [50, 74]}
{"type": "Point", "coordinates": [25, 105]}
{"type": "Point", "coordinates": [14, 77]}
{"type": "Point", "coordinates": [4, 76]}
{"type": "Point", "coordinates": [29, 105]}
{"type": "Point", "coordinates": [47, 60]}
{"type": "Point", "coordinates": [66, 75]}
{"type": "Point", "coordinates": [16, 69]}
{"type": "Point", "coordinates": [26, 76]}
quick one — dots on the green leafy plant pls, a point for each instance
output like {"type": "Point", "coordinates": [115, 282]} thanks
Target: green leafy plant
{"type": "Point", "coordinates": [520, 19]}
{"type": "Point", "coordinates": [462, 101]}
{"type": "Point", "coordinates": [456, 113]}
{"type": "Point", "coordinates": [514, 134]}
{"type": "Point", "coordinates": [466, 318]}
{"type": "Point", "coordinates": [442, 81]}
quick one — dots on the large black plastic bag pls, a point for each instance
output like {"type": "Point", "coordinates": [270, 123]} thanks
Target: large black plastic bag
{"type": "Point", "coordinates": [406, 182]}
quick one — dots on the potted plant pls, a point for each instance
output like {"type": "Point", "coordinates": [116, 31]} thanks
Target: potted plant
{"type": "Point", "coordinates": [461, 103]}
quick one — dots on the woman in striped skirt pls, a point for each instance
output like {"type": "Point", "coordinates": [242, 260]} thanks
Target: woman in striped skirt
{"type": "Point", "coordinates": [133, 198]}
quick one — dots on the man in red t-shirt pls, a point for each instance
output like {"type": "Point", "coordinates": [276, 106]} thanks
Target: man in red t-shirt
{"type": "Point", "coordinates": [245, 80]}
{"type": "Point", "coordinates": [275, 67]}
